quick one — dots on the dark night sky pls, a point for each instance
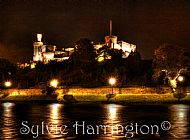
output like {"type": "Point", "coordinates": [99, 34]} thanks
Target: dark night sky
{"type": "Point", "coordinates": [146, 23]}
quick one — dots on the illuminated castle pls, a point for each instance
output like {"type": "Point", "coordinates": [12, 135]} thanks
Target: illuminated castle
{"type": "Point", "coordinates": [47, 53]}
{"type": "Point", "coordinates": [112, 43]}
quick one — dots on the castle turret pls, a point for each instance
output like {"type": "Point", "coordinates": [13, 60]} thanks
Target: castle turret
{"type": "Point", "coordinates": [110, 40]}
{"type": "Point", "coordinates": [38, 49]}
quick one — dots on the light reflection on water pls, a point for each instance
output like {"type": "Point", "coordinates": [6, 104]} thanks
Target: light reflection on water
{"type": "Point", "coordinates": [112, 113]}
{"type": "Point", "coordinates": [180, 121]}
{"type": "Point", "coordinates": [8, 126]}
{"type": "Point", "coordinates": [113, 120]}
{"type": "Point", "coordinates": [55, 120]}
{"type": "Point", "coordinates": [12, 114]}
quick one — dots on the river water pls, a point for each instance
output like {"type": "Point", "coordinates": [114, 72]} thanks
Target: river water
{"type": "Point", "coordinates": [94, 121]}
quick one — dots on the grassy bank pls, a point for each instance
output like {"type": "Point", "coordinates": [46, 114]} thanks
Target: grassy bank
{"type": "Point", "coordinates": [129, 98]}
{"type": "Point", "coordinates": [101, 98]}
{"type": "Point", "coordinates": [29, 98]}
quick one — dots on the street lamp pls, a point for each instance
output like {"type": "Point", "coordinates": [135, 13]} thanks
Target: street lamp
{"type": "Point", "coordinates": [8, 84]}
{"type": "Point", "coordinates": [112, 82]}
{"type": "Point", "coordinates": [180, 79]}
{"type": "Point", "coordinates": [54, 83]}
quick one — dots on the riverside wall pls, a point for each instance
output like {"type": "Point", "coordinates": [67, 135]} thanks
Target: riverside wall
{"type": "Point", "coordinates": [108, 90]}
{"type": "Point", "coordinates": [122, 95]}
{"type": "Point", "coordinates": [26, 92]}
{"type": "Point", "coordinates": [89, 91]}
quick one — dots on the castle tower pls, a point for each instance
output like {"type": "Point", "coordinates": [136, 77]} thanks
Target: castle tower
{"type": "Point", "coordinates": [110, 40]}
{"type": "Point", "coordinates": [38, 49]}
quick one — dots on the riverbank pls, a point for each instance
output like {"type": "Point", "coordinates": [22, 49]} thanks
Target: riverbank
{"type": "Point", "coordinates": [103, 98]}
{"type": "Point", "coordinates": [125, 98]}
{"type": "Point", "coordinates": [101, 95]}
{"type": "Point", "coordinates": [30, 98]}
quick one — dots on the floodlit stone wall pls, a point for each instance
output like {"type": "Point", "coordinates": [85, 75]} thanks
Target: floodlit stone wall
{"type": "Point", "coordinates": [22, 91]}
{"type": "Point", "coordinates": [106, 90]}
{"type": "Point", "coordinates": [89, 91]}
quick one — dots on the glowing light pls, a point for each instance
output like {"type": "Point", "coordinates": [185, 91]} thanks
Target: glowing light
{"type": "Point", "coordinates": [181, 115]}
{"type": "Point", "coordinates": [112, 81]}
{"type": "Point", "coordinates": [8, 84]}
{"type": "Point", "coordinates": [36, 58]}
{"type": "Point", "coordinates": [55, 108]}
{"type": "Point", "coordinates": [100, 59]}
{"type": "Point", "coordinates": [8, 129]}
{"type": "Point", "coordinates": [65, 58]}
{"type": "Point", "coordinates": [69, 49]}
{"type": "Point", "coordinates": [33, 65]}
{"type": "Point", "coordinates": [8, 105]}
{"type": "Point", "coordinates": [173, 83]}
{"type": "Point", "coordinates": [39, 37]}
{"type": "Point", "coordinates": [179, 119]}
{"type": "Point", "coordinates": [180, 78]}
{"type": "Point", "coordinates": [54, 83]}
{"type": "Point", "coordinates": [55, 119]}
{"type": "Point", "coordinates": [49, 55]}
{"type": "Point", "coordinates": [112, 112]}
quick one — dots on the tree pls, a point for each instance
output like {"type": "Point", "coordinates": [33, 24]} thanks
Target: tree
{"type": "Point", "coordinates": [180, 93]}
{"type": "Point", "coordinates": [7, 67]}
{"type": "Point", "coordinates": [84, 52]}
{"type": "Point", "coordinates": [169, 58]}
{"type": "Point", "coordinates": [7, 70]}
{"type": "Point", "coordinates": [83, 63]}
{"type": "Point", "coordinates": [133, 66]}
{"type": "Point", "coordinates": [113, 54]}
{"type": "Point", "coordinates": [110, 63]}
